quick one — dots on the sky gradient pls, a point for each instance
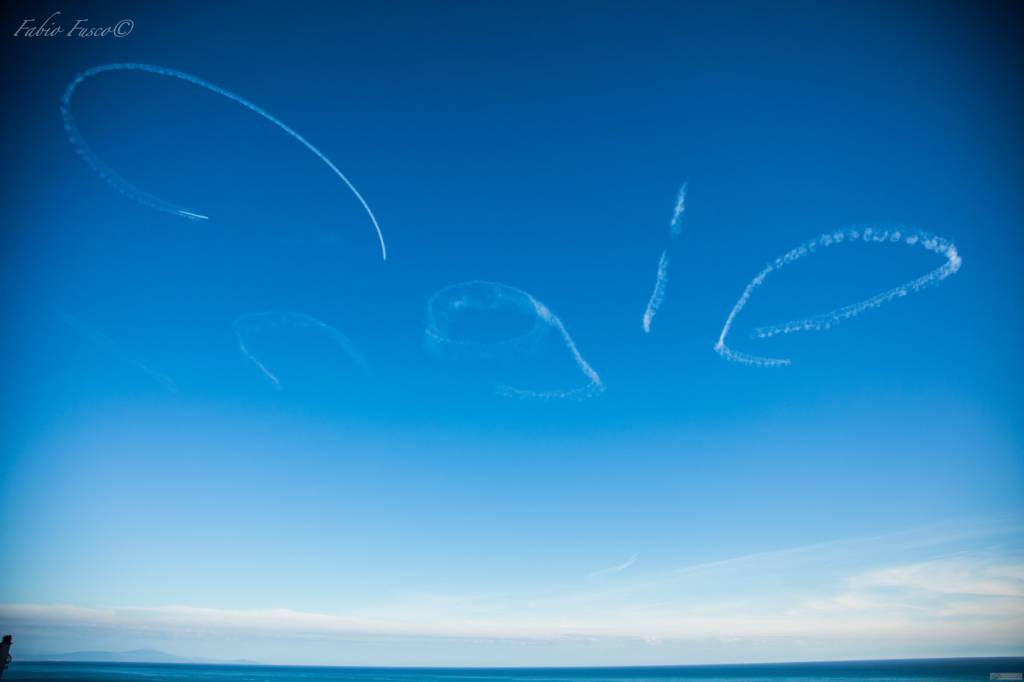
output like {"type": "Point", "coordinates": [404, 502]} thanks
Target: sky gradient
{"type": "Point", "coordinates": [239, 438]}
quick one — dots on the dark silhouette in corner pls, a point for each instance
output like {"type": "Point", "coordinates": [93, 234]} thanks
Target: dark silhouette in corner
{"type": "Point", "coordinates": [5, 654]}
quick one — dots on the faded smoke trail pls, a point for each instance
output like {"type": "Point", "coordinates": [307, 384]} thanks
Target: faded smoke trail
{"type": "Point", "coordinates": [480, 295]}
{"type": "Point", "coordinates": [828, 320]}
{"type": "Point", "coordinates": [147, 199]}
{"type": "Point", "coordinates": [675, 227]}
{"type": "Point", "coordinates": [113, 349]}
{"type": "Point", "coordinates": [253, 323]}
{"type": "Point", "coordinates": [661, 281]}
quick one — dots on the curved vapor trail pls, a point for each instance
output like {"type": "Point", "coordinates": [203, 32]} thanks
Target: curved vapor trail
{"type": "Point", "coordinates": [253, 322]}
{"type": "Point", "coordinates": [480, 295]}
{"type": "Point", "coordinates": [483, 295]}
{"type": "Point", "coordinates": [112, 348]}
{"type": "Point", "coordinates": [593, 388]}
{"type": "Point", "coordinates": [674, 229]}
{"type": "Point", "coordinates": [147, 199]}
{"type": "Point", "coordinates": [828, 320]}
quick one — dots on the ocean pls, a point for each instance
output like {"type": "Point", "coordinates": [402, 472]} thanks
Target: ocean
{"type": "Point", "coordinates": [859, 671]}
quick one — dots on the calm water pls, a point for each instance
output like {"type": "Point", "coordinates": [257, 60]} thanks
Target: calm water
{"type": "Point", "coordinates": [861, 671]}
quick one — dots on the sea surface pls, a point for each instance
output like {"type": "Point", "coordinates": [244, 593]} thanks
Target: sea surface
{"type": "Point", "coordinates": [859, 671]}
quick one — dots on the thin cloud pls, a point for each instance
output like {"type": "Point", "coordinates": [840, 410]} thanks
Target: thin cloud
{"type": "Point", "coordinates": [956, 592]}
{"type": "Point", "coordinates": [617, 568]}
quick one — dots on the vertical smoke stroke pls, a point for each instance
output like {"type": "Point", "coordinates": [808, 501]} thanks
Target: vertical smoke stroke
{"type": "Point", "coordinates": [147, 199]}
{"type": "Point", "coordinates": [658, 295]}
{"type": "Point", "coordinates": [830, 319]}
{"type": "Point", "coordinates": [674, 229]}
{"type": "Point", "coordinates": [676, 226]}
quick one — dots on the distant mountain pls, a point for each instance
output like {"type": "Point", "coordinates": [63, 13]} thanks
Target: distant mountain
{"type": "Point", "coordinates": [134, 656]}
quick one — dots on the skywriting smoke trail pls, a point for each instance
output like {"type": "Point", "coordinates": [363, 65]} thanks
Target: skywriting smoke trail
{"type": "Point", "coordinates": [147, 199]}
{"type": "Point", "coordinates": [661, 281]}
{"type": "Point", "coordinates": [452, 301]}
{"type": "Point", "coordinates": [113, 349]}
{"type": "Point", "coordinates": [828, 320]}
{"type": "Point", "coordinates": [246, 326]}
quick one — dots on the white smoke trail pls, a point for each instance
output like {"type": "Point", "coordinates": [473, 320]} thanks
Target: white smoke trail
{"type": "Point", "coordinates": [113, 349]}
{"type": "Point", "coordinates": [828, 320]}
{"type": "Point", "coordinates": [674, 229]}
{"type": "Point", "coordinates": [147, 199]}
{"type": "Point", "coordinates": [246, 325]}
{"type": "Point", "coordinates": [658, 295]}
{"type": "Point", "coordinates": [482, 295]}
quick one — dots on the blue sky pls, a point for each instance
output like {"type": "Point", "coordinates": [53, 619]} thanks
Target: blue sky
{"type": "Point", "coordinates": [159, 490]}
